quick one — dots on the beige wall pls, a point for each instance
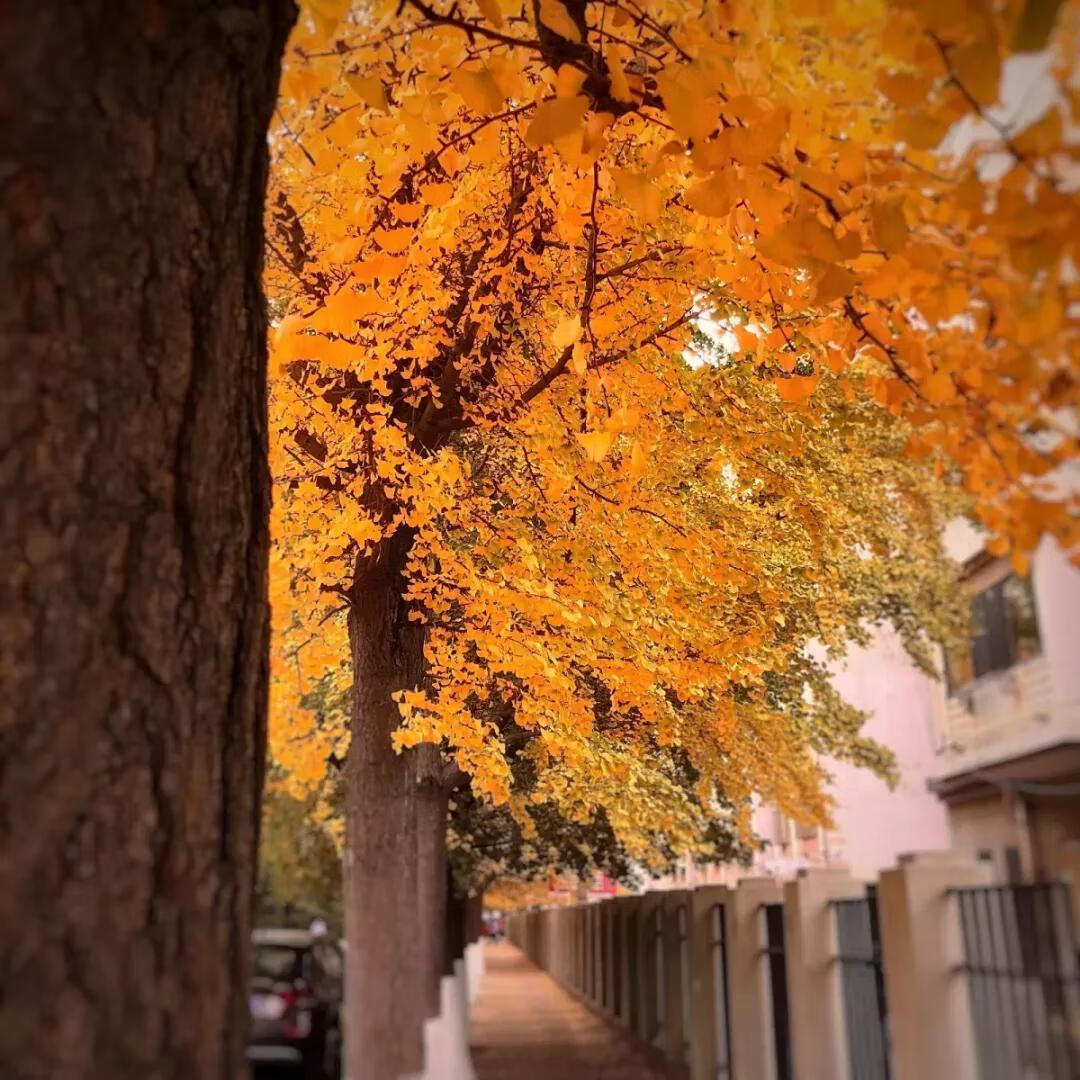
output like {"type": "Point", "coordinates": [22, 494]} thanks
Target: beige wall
{"type": "Point", "coordinates": [1053, 822]}
{"type": "Point", "coordinates": [992, 824]}
{"type": "Point", "coordinates": [985, 825]}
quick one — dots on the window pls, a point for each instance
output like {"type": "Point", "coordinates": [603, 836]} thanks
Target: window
{"type": "Point", "coordinates": [1005, 626]}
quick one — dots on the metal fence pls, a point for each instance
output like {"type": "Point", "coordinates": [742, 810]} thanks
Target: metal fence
{"type": "Point", "coordinates": [1021, 959]}
{"type": "Point", "coordinates": [721, 1021]}
{"type": "Point", "coordinates": [777, 957]}
{"type": "Point", "coordinates": [861, 976]}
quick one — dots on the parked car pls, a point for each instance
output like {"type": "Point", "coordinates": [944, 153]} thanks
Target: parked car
{"type": "Point", "coordinates": [296, 989]}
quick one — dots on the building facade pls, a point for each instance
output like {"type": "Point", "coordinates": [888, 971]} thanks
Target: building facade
{"type": "Point", "coordinates": [988, 759]}
{"type": "Point", "coordinates": [1008, 717]}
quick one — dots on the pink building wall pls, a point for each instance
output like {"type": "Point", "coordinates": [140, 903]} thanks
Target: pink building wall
{"type": "Point", "coordinates": [873, 823]}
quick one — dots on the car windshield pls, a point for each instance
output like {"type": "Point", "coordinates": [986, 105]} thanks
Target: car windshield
{"type": "Point", "coordinates": [279, 962]}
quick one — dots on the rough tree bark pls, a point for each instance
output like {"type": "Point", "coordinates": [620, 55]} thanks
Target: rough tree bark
{"type": "Point", "coordinates": [395, 857]}
{"type": "Point", "coordinates": [432, 868]}
{"type": "Point", "coordinates": [133, 529]}
{"type": "Point", "coordinates": [383, 981]}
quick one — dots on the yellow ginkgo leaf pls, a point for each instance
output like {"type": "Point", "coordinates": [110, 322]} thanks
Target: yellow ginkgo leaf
{"type": "Point", "coordinates": [713, 197]}
{"type": "Point", "coordinates": [938, 388]}
{"type": "Point", "coordinates": [640, 193]}
{"type": "Point", "coordinates": [492, 11]}
{"type": "Point", "coordinates": [567, 332]}
{"type": "Point", "coordinates": [796, 387]}
{"type": "Point", "coordinates": [436, 194]}
{"type": "Point", "coordinates": [832, 282]}
{"type": "Point", "coordinates": [889, 225]}
{"type": "Point", "coordinates": [479, 89]}
{"type": "Point", "coordinates": [555, 17]}
{"type": "Point", "coordinates": [393, 240]}
{"type": "Point", "coordinates": [579, 360]}
{"type": "Point", "coordinates": [568, 80]}
{"type": "Point", "coordinates": [596, 444]}
{"type": "Point", "coordinates": [555, 118]}
{"type": "Point", "coordinates": [408, 212]}
{"type": "Point", "coordinates": [369, 90]}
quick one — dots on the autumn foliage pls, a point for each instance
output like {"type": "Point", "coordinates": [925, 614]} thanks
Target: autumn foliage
{"type": "Point", "coordinates": [668, 338]}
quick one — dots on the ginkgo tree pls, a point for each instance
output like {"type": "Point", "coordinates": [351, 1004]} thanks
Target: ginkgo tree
{"type": "Point", "coordinates": [517, 489]}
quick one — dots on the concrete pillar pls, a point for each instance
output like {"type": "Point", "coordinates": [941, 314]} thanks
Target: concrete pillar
{"type": "Point", "coordinates": [446, 1043]}
{"type": "Point", "coordinates": [1069, 859]}
{"type": "Point", "coordinates": [474, 967]}
{"type": "Point", "coordinates": [607, 937]}
{"type": "Point", "coordinates": [651, 1006]}
{"type": "Point", "coordinates": [752, 1048]}
{"type": "Point", "coordinates": [629, 994]}
{"type": "Point", "coordinates": [922, 949]}
{"type": "Point", "coordinates": [576, 918]}
{"type": "Point", "coordinates": [596, 995]}
{"type": "Point", "coordinates": [710, 1057]}
{"type": "Point", "coordinates": [676, 953]}
{"type": "Point", "coordinates": [815, 994]}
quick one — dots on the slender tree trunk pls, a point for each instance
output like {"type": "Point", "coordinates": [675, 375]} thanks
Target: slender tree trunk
{"type": "Point", "coordinates": [382, 912]}
{"type": "Point", "coordinates": [456, 936]}
{"type": "Point", "coordinates": [133, 530]}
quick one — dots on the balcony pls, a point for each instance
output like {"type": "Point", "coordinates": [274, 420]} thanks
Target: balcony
{"type": "Point", "coordinates": [1003, 711]}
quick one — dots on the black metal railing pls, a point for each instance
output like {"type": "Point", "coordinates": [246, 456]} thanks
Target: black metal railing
{"type": "Point", "coordinates": [777, 958]}
{"type": "Point", "coordinates": [1020, 954]}
{"type": "Point", "coordinates": [863, 983]}
{"type": "Point", "coordinates": [721, 1022]}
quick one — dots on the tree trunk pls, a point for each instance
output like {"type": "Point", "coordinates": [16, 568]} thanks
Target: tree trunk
{"type": "Point", "coordinates": [432, 870]}
{"type": "Point", "coordinates": [382, 913]}
{"type": "Point", "coordinates": [133, 529]}
{"type": "Point", "coordinates": [457, 925]}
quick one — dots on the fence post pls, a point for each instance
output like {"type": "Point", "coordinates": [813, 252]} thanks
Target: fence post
{"type": "Point", "coordinates": [1069, 860]}
{"type": "Point", "coordinates": [607, 926]}
{"type": "Point", "coordinates": [629, 995]}
{"type": "Point", "coordinates": [675, 952]}
{"type": "Point", "coordinates": [598, 954]}
{"type": "Point", "coordinates": [650, 996]}
{"type": "Point", "coordinates": [577, 982]}
{"type": "Point", "coordinates": [815, 997]}
{"type": "Point", "coordinates": [752, 1050]}
{"type": "Point", "coordinates": [931, 1028]}
{"type": "Point", "coordinates": [709, 1049]}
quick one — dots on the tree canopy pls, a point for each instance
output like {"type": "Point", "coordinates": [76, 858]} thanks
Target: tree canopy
{"type": "Point", "coordinates": [668, 339]}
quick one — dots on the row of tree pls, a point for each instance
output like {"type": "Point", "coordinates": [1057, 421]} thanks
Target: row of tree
{"type": "Point", "coordinates": [622, 351]}
{"type": "Point", "coordinates": [628, 357]}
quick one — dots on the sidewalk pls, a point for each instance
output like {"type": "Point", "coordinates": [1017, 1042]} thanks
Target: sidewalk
{"type": "Point", "coordinates": [527, 1027]}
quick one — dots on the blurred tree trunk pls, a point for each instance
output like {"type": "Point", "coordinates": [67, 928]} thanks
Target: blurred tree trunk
{"type": "Point", "coordinates": [384, 995]}
{"type": "Point", "coordinates": [133, 529]}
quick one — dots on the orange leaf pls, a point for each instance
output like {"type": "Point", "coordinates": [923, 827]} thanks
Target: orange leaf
{"type": "Point", "coordinates": [596, 444]}
{"type": "Point", "coordinates": [797, 387]}
{"type": "Point", "coordinates": [437, 194]}
{"type": "Point", "coordinates": [555, 17]}
{"type": "Point", "coordinates": [393, 240]}
{"type": "Point", "coordinates": [555, 118]}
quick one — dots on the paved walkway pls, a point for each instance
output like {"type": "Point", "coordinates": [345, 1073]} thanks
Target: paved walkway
{"type": "Point", "coordinates": [527, 1027]}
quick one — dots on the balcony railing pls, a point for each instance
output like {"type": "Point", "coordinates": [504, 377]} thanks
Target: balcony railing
{"type": "Point", "coordinates": [999, 708]}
